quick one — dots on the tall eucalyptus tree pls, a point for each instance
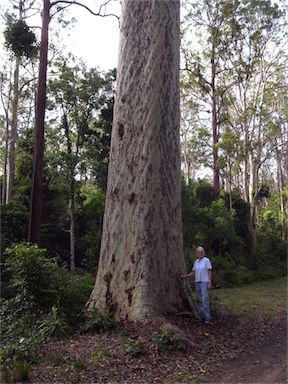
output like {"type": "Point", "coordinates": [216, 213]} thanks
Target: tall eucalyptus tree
{"type": "Point", "coordinates": [141, 251]}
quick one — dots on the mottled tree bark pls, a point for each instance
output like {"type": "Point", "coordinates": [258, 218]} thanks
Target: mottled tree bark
{"type": "Point", "coordinates": [141, 252]}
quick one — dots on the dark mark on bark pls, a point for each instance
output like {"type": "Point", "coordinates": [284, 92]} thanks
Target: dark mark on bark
{"type": "Point", "coordinates": [129, 295]}
{"type": "Point", "coordinates": [121, 130]}
{"type": "Point", "coordinates": [132, 257]}
{"type": "Point", "coordinates": [115, 191]}
{"type": "Point", "coordinates": [107, 278]}
{"type": "Point", "coordinates": [126, 274]}
{"type": "Point", "coordinates": [131, 197]}
{"type": "Point", "coordinates": [113, 258]}
{"type": "Point", "coordinates": [111, 304]}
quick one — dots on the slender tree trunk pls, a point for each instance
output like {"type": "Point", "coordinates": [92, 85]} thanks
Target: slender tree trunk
{"type": "Point", "coordinates": [252, 198]}
{"type": "Point", "coordinates": [141, 254]}
{"type": "Point", "coordinates": [71, 166]}
{"type": "Point", "coordinates": [72, 225]}
{"type": "Point", "coordinates": [186, 160]}
{"type": "Point", "coordinates": [36, 193]}
{"type": "Point", "coordinates": [4, 183]}
{"type": "Point", "coordinates": [13, 132]}
{"type": "Point", "coordinates": [6, 149]}
{"type": "Point", "coordinates": [216, 178]}
{"type": "Point", "coordinates": [280, 185]}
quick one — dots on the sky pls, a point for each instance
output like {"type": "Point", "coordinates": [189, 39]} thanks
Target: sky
{"type": "Point", "coordinates": [95, 39]}
{"type": "Point", "coordinates": [92, 38]}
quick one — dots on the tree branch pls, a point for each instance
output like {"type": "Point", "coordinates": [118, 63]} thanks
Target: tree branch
{"type": "Point", "coordinates": [86, 7]}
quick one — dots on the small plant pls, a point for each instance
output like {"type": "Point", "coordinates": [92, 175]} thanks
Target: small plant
{"type": "Point", "coordinates": [134, 348]}
{"type": "Point", "coordinates": [79, 365]}
{"type": "Point", "coordinates": [165, 340]}
{"type": "Point", "coordinates": [55, 359]}
{"type": "Point", "coordinates": [53, 326]}
{"type": "Point", "coordinates": [21, 371]}
{"type": "Point", "coordinates": [98, 322]}
{"type": "Point", "coordinates": [185, 377]}
{"type": "Point", "coordinates": [97, 355]}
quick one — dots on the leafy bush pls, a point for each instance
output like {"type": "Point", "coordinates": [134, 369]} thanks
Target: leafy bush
{"type": "Point", "coordinates": [244, 275]}
{"type": "Point", "coordinates": [44, 299]}
{"type": "Point", "coordinates": [32, 274]}
{"type": "Point", "coordinates": [20, 336]}
{"type": "Point", "coordinates": [14, 227]}
{"type": "Point", "coordinates": [134, 348]}
{"type": "Point", "coordinates": [74, 295]}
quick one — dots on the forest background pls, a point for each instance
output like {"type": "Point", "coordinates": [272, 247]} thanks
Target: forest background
{"type": "Point", "coordinates": [234, 149]}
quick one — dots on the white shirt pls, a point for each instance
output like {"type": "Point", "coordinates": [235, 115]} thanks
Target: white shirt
{"type": "Point", "coordinates": [200, 267]}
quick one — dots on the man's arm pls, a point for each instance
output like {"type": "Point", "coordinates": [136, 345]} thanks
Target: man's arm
{"type": "Point", "coordinates": [188, 275]}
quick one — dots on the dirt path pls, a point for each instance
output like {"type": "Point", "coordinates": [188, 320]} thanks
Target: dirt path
{"type": "Point", "coordinates": [265, 365]}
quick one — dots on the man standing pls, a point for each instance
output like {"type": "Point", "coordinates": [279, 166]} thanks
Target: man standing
{"type": "Point", "coordinates": [202, 270]}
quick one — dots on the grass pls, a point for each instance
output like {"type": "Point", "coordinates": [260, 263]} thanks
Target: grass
{"type": "Point", "coordinates": [263, 298]}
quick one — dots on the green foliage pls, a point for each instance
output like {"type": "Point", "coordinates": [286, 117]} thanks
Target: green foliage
{"type": "Point", "coordinates": [79, 365]}
{"type": "Point", "coordinates": [20, 336]}
{"type": "Point", "coordinates": [269, 259]}
{"type": "Point", "coordinates": [91, 224]}
{"type": "Point", "coordinates": [53, 326]}
{"type": "Point", "coordinates": [134, 348]}
{"type": "Point", "coordinates": [207, 222]}
{"type": "Point", "coordinates": [97, 355]}
{"type": "Point", "coordinates": [166, 340]}
{"type": "Point", "coordinates": [74, 294]}
{"type": "Point", "coordinates": [19, 373]}
{"type": "Point", "coordinates": [97, 322]}
{"type": "Point", "coordinates": [14, 223]}
{"type": "Point", "coordinates": [32, 274]}
{"type": "Point", "coordinates": [44, 300]}
{"type": "Point", "coordinates": [22, 371]}
{"type": "Point", "coordinates": [20, 39]}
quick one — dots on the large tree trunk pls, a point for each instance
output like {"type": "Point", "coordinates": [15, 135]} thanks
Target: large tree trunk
{"type": "Point", "coordinates": [141, 252]}
{"type": "Point", "coordinates": [36, 192]}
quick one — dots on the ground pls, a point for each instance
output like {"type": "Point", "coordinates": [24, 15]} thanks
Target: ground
{"type": "Point", "coordinates": [235, 349]}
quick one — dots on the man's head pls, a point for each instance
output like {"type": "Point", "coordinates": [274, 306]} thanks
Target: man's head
{"type": "Point", "coordinates": [200, 252]}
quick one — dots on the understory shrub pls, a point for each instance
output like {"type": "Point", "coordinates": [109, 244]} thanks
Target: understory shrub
{"type": "Point", "coordinates": [45, 302]}
{"type": "Point", "coordinates": [134, 348]}
{"type": "Point", "coordinates": [166, 340]}
{"type": "Point", "coordinates": [33, 274]}
{"type": "Point", "coordinates": [97, 322]}
{"type": "Point", "coordinates": [73, 296]}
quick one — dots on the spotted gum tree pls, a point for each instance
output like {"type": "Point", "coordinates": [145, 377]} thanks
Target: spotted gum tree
{"type": "Point", "coordinates": [141, 252]}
